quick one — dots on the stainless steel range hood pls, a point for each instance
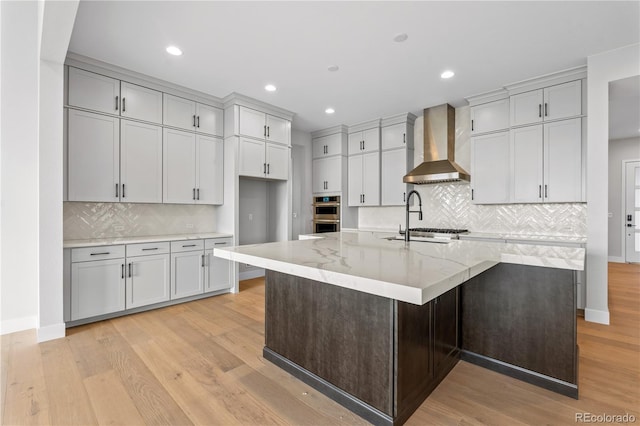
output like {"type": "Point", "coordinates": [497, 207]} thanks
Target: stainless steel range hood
{"type": "Point", "coordinates": [439, 149]}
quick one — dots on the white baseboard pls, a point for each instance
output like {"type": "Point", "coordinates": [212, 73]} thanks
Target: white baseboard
{"type": "Point", "coordinates": [18, 324]}
{"type": "Point", "coordinates": [593, 315]}
{"type": "Point", "coordinates": [51, 332]}
{"type": "Point", "coordinates": [616, 259]}
{"type": "Point", "coordinates": [253, 273]}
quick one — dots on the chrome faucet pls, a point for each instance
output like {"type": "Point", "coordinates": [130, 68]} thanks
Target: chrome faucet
{"type": "Point", "coordinates": [406, 227]}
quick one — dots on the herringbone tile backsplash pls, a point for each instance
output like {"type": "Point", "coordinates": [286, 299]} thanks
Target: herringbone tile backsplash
{"type": "Point", "coordinates": [448, 205]}
{"type": "Point", "coordinates": [104, 220]}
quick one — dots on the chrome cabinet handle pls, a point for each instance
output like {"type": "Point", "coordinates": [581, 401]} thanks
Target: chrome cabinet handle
{"type": "Point", "coordinates": [100, 254]}
{"type": "Point", "coordinates": [124, 106]}
{"type": "Point", "coordinates": [117, 102]}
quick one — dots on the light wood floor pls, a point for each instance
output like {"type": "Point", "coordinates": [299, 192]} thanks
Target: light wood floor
{"type": "Point", "coordinates": [201, 363]}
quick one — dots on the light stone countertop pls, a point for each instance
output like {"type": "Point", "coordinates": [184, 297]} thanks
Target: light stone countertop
{"type": "Point", "coordinates": [414, 273]}
{"type": "Point", "coordinates": [527, 237]}
{"type": "Point", "coordinates": [110, 241]}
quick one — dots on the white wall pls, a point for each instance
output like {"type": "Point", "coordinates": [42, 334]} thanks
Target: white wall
{"type": "Point", "coordinates": [19, 152]}
{"type": "Point", "coordinates": [601, 69]}
{"type": "Point", "coordinates": [619, 150]}
{"type": "Point", "coordinates": [301, 179]}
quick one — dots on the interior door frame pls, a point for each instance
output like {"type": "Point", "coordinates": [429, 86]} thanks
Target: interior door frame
{"type": "Point", "coordinates": [623, 207]}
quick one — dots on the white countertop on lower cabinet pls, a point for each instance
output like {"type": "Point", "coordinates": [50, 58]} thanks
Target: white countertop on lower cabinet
{"type": "Point", "coordinates": [110, 241]}
{"type": "Point", "coordinates": [416, 272]}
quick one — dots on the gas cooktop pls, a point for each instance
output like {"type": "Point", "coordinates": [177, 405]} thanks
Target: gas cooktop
{"type": "Point", "coordinates": [435, 232]}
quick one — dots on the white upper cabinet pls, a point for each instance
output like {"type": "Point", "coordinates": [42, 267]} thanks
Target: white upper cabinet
{"type": "Point", "coordinates": [490, 169]}
{"type": "Point", "coordinates": [259, 125]}
{"type": "Point", "coordinates": [209, 170]}
{"type": "Point", "coordinates": [547, 162]}
{"type": "Point", "coordinates": [364, 141]}
{"type": "Point", "coordinates": [93, 157]}
{"type": "Point", "coordinates": [329, 145]}
{"type": "Point", "coordinates": [179, 172]}
{"type": "Point", "coordinates": [140, 103]}
{"type": "Point", "coordinates": [251, 158]}
{"type": "Point", "coordinates": [364, 180]}
{"type": "Point", "coordinates": [190, 115]}
{"type": "Point", "coordinates": [394, 166]}
{"type": "Point", "coordinates": [490, 117]}
{"type": "Point", "coordinates": [140, 162]}
{"type": "Point", "coordinates": [551, 103]}
{"type": "Point", "coordinates": [94, 91]}
{"type": "Point", "coordinates": [209, 120]}
{"type": "Point", "coordinates": [277, 159]}
{"type": "Point", "coordinates": [104, 94]}
{"type": "Point", "coordinates": [395, 136]}
{"type": "Point", "coordinates": [327, 174]}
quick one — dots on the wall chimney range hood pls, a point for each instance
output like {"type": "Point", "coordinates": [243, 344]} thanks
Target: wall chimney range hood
{"type": "Point", "coordinates": [439, 149]}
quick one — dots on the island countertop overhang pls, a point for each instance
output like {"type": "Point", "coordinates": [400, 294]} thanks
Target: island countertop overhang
{"type": "Point", "coordinates": [416, 272]}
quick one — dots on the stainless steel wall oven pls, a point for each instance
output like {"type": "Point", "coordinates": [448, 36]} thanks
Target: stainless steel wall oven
{"type": "Point", "coordinates": [326, 214]}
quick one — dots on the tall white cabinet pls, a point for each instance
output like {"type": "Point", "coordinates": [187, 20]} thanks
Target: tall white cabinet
{"type": "Point", "coordinates": [329, 163]}
{"type": "Point", "coordinates": [364, 164]}
{"type": "Point", "coordinates": [396, 158]}
{"type": "Point", "coordinates": [536, 155]}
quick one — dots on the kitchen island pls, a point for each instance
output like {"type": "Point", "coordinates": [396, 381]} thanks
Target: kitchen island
{"type": "Point", "coordinates": [377, 324]}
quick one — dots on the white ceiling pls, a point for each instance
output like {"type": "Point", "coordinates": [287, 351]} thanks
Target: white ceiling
{"type": "Point", "coordinates": [624, 108]}
{"type": "Point", "coordinates": [241, 46]}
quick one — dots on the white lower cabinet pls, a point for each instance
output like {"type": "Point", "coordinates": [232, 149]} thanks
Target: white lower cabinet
{"type": "Point", "coordinates": [217, 272]}
{"type": "Point", "coordinates": [97, 287]}
{"type": "Point", "coordinates": [187, 268]}
{"type": "Point", "coordinates": [147, 280]}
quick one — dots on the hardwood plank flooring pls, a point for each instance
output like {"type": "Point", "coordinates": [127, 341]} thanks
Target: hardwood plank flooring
{"type": "Point", "coordinates": [201, 363]}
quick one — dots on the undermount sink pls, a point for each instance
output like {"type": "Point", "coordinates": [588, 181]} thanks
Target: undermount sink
{"type": "Point", "coordinates": [419, 239]}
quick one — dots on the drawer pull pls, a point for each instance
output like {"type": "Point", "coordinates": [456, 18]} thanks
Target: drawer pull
{"type": "Point", "coordinates": [100, 254]}
{"type": "Point", "coordinates": [147, 249]}
{"type": "Point", "coordinates": [218, 244]}
{"type": "Point", "coordinates": [189, 245]}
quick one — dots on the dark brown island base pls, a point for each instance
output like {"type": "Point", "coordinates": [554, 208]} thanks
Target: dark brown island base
{"type": "Point", "coordinates": [381, 357]}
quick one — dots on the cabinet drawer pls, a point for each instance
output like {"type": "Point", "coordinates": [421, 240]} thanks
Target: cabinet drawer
{"type": "Point", "coordinates": [145, 249]}
{"type": "Point", "coordinates": [218, 242]}
{"type": "Point", "coordinates": [97, 253]}
{"type": "Point", "coordinates": [186, 245]}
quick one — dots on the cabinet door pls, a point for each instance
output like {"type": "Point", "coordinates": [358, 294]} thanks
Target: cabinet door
{"type": "Point", "coordinates": [371, 179]}
{"type": "Point", "coordinates": [251, 161]}
{"type": "Point", "coordinates": [187, 273]}
{"type": "Point", "coordinates": [326, 146]}
{"type": "Point", "coordinates": [355, 143]}
{"type": "Point", "coordinates": [394, 167]}
{"type": "Point", "coordinates": [209, 170]}
{"type": "Point", "coordinates": [355, 180]}
{"type": "Point", "coordinates": [319, 147]}
{"type": "Point", "coordinates": [179, 112]}
{"type": "Point", "coordinates": [327, 174]}
{"type": "Point", "coordinates": [445, 329]}
{"type": "Point", "coordinates": [394, 136]}
{"type": "Point", "coordinates": [277, 129]}
{"type": "Point", "coordinates": [563, 161]}
{"type": "Point", "coordinates": [93, 91]}
{"type": "Point", "coordinates": [563, 100]}
{"type": "Point", "coordinates": [277, 159]}
{"type": "Point", "coordinates": [93, 152]}
{"type": "Point", "coordinates": [371, 140]}
{"type": "Point", "coordinates": [253, 123]}
{"type": "Point", "coordinates": [526, 108]}
{"type": "Point", "coordinates": [178, 170]}
{"type": "Point", "coordinates": [140, 162]}
{"type": "Point", "coordinates": [209, 120]}
{"type": "Point", "coordinates": [97, 288]}
{"type": "Point", "coordinates": [147, 280]}
{"type": "Point", "coordinates": [218, 272]}
{"type": "Point", "coordinates": [526, 164]}
{"type": "Point", "coordinates": [490, 117]}
{"type": "Point", "coordinates": [141, 103]}
{"type": "Point", "coordinates": [490, 169]}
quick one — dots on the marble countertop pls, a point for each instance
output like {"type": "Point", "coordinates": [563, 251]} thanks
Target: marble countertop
{"type": "Point", "coordinates": [416, 272]}
{"type": "Point", "coordinates": [145, 239]}
{"type": "Point", "coordinates": [527, 237]}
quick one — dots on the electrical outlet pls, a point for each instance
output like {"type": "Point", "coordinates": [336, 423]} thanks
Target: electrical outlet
{"type": "Point", "coordinates": [118, 228]}
{"type": "Point", "coordinates": [190, 225]}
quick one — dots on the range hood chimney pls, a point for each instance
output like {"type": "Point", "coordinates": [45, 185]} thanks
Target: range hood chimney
{"type": "Point", "coordinates": [439, 149]}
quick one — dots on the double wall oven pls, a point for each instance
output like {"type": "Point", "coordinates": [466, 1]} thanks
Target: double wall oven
{"type": "Point", "coordinates": [326, 214]}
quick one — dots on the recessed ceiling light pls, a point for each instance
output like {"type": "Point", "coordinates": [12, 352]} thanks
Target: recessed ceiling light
{"type": "Point", "coordinates": [447, 74]}
{"type": "Point", "coordinates": [333, 68]}
{"type": "Point", "coordinates": [329, 110]}
{"type": "Point", "coordinates": [270, 88]}
{"type": "Point", "coordinates": [173, 50]}
{"type": "Point", "coordinates": [399, 38]}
